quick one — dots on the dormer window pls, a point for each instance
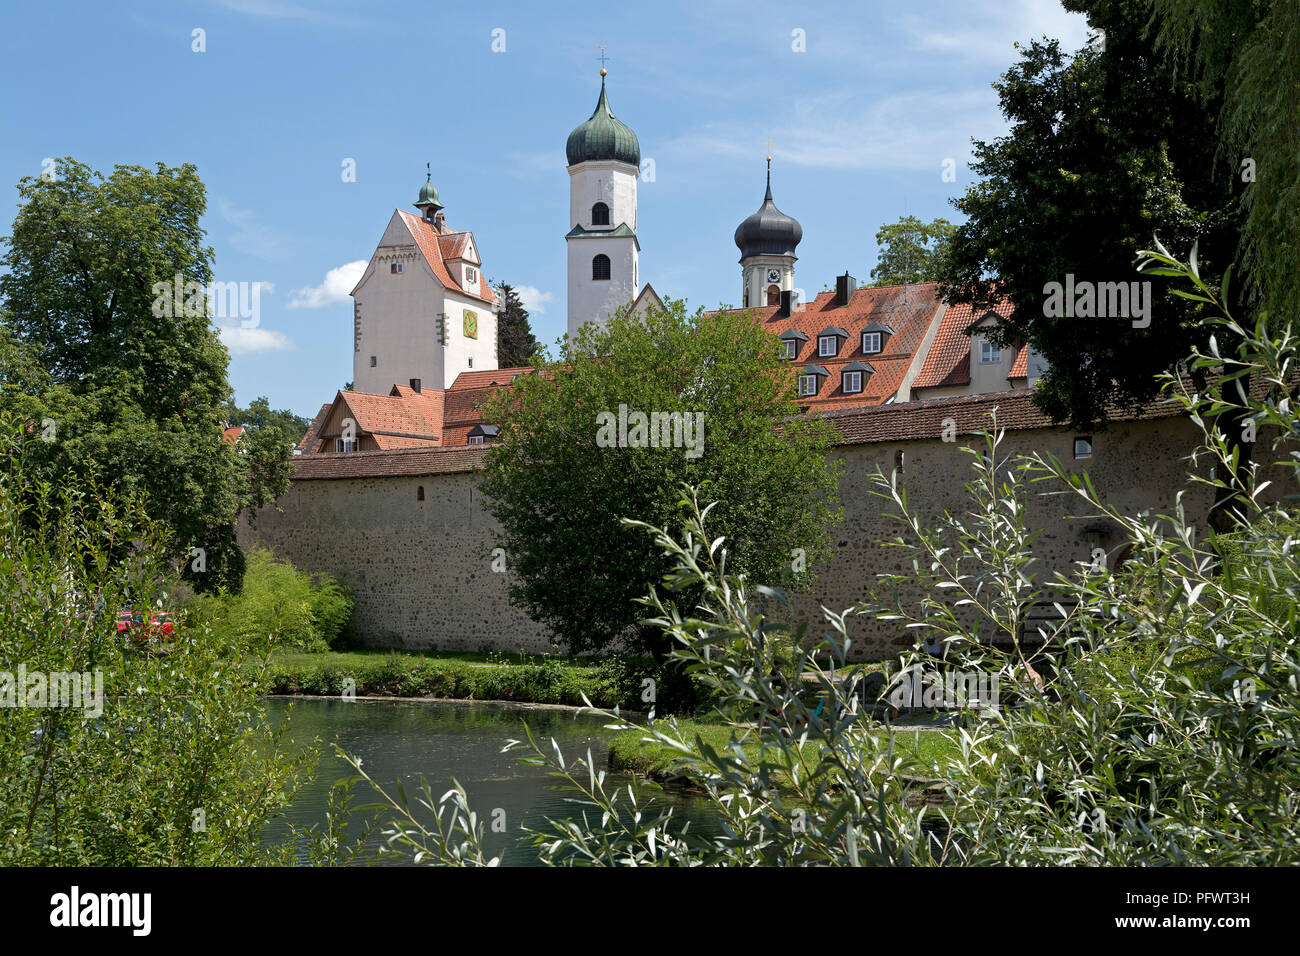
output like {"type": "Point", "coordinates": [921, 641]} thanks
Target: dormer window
{"type": "Point", "coordinates": [873, 337]}
{"type": "Point", "coordinates": [829, 340]}
{"type": "Point", "coordinates": [600, 214]}
{"type": "Point", "coordinates": [853, 376]}
{"type": "Point", "coordinates": [479, 434]}
{"type": "Point", "coordinates": [791, 343]}
{"type": "Point", "coordinates": [989, 354]}
{"type": "Point", "coordinates": [810, 380]}
{"type": "Point", "coordinates": [395, 269]}
{"type": "Point", "coordinates": [346, 444]}
{"type": "Point", "coordinates": [471, 274]}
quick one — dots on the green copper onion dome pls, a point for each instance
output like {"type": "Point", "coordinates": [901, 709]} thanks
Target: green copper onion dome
{"type": "Point", "coordinates": [429, 194]}
{"type": "Point", "coordinates": [603, 137]}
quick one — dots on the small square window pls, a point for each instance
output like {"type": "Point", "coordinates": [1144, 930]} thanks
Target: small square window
{"type": "Point", "coordinates": [807, 384]}
{"type": "Point", "coordinates": [395, 269]}
{"type": "Point", "coordinates": [476, 439]}
{"type": "Point", "coordinates": [346, 444]}
{"type": "Point", "coordinates": [827, 345]}
{"type": "Point", "coordinates": [1083, 447]}
{"type": "Point", "coordinates": [789, 349]}
{"type": "Point", "coordinates": [852, 381]}
{"type": "Point", "coordinates": [870, 342]}
{"type": "Point", "coordinates": [373, 361]}
{"type": "Point", "coordinates": [989, 355]}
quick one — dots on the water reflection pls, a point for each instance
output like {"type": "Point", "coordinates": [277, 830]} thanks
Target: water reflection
{"type": "Point", "coordinates": [445, 739]}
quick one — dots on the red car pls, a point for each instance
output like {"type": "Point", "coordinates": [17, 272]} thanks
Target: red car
{"type": "Point", "coordinates": [161, 625]}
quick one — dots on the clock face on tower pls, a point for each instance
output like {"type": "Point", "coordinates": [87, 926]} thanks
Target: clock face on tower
{"type": "Point", "coordinates": [773, 275]}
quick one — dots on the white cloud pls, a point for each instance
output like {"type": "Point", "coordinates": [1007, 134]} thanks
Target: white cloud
{"type": "Point", "coordinates": [909, 131]}
{"type": "Point", "coordinates": [988, 33]}
{"type": "Point", "coordinates": [338, 283]}
{"type": "Point", "coordinates": [281, 10]}
{"type": "Point", "coordinates": [533, 298]}
{"type": "Point", "coordinates": [248, 235]}
{"type": "Point", "coordinates": [241, 341]}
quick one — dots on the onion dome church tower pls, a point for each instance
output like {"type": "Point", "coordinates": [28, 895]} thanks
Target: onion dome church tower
{"type": "Point", "coordinates": [767, 241]}
{"type": "Point", "coordinates": [604, 162]}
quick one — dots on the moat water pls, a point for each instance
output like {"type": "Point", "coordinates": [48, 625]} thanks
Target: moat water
{"type": "Point", "coordinates": [442, 740]}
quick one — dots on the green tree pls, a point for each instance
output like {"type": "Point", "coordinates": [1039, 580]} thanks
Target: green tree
{"type": "Point", "coordinates": [148, 759]}
{"type": "Point", "coordinates": [1106, 148]}
{"type": "Point", "coordinates": [114, 380]}
{"type": "Point", "coordinates": [910, 251]}
{"type": "Point", "coordinates": [516, 345]}
{"type": "Point", "coordinates": [266, 448]}
{"type": "Point", "coordinates": [1246, 55]}
{"type": "Point", "coordinates": [559, 492]}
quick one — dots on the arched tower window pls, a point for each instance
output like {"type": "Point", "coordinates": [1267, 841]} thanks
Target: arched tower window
{"type": "Point", "coordinates": [600, 214]}
{"type": "Point", "coordinates": [600, 267]}
{"type": "Point", "coordinates": [774, 295]}
{"type": "Point", "coordinates": [419, 493]}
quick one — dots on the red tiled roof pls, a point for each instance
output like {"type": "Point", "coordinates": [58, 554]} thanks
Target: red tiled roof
{"type": "Point", "coordinates": [1020, 367]}
{"type": "Point", "coordinates": [452, 244]}
{"type": "Point", "coordinates": [908, 421]}
{"type": "Point", "coordinates": [430, 244]}
{"type": "Point", "coordinates": [308, 443]}
{"type": "Point", "coordinates": [232, 434]}
{"type": "Point", "coordinates": [498, 376]}
{"type": "Point", "coordinates": [908, 310]}
{"type": "Point", "coordinates": [948, 363]}
{"type": "Point", "coordinates": [410, 461]}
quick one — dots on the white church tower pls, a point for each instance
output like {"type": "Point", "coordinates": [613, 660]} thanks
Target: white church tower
{"type": "Point", "coordinates": [767, 240]}
{"type": "Point", "coordinates": [604, 165]}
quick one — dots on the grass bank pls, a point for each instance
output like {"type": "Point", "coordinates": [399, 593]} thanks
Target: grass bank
{"type": "Point", "coordinates": [467, 676]}
{"type": "Point", "coordinates": [630, 753]}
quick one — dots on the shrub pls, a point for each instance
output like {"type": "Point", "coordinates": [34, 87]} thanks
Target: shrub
{"type": "Point", "coordinates": [180, 766]}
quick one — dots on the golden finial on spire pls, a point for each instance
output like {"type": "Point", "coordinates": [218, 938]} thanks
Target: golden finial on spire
{"type": "Point", "coordinates": [602, 59]}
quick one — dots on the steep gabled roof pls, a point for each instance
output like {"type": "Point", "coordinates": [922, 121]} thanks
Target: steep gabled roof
{"type": "Point", "coordinates": [948, 363]}
{"type": "Point", "coordinates": [430, 244]}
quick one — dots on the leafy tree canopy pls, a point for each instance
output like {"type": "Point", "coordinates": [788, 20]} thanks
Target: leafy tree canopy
{"type": "Point", "coordinates": [910, 251]}
{"type": "Point", "coordinates": [560, 493]}
{"type": "Point", "coordinates": [1107, 148]}
{"type": "Point", "coordinates": [108, 379]}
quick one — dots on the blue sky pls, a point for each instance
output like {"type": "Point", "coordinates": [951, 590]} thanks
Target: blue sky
{"type": "Point", "coordinates": [861, 121]}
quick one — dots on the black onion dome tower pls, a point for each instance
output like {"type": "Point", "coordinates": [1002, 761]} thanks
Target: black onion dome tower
{"type": "Point", "coordinates": [767, 241]}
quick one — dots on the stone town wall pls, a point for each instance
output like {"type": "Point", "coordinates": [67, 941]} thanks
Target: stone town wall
{"type": "Point", "coordinates": [421, 570]}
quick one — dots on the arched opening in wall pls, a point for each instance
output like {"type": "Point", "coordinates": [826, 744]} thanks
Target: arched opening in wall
{"type": "Point", "coordinates": [419, 493]}
{"type": "Point", "coordinates": [600, 214]}
{"type": "Point", "coordinates": [600, 267]}
{"type": "Point", "coordinates": [774, 295]}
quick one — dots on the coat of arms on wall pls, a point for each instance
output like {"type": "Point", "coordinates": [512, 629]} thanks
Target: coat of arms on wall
{"type": "Point", "coordinates": [471, 324]}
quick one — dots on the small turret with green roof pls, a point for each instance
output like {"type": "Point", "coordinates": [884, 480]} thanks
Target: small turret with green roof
{"type": "Point", "coordinates": [428, 202]}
